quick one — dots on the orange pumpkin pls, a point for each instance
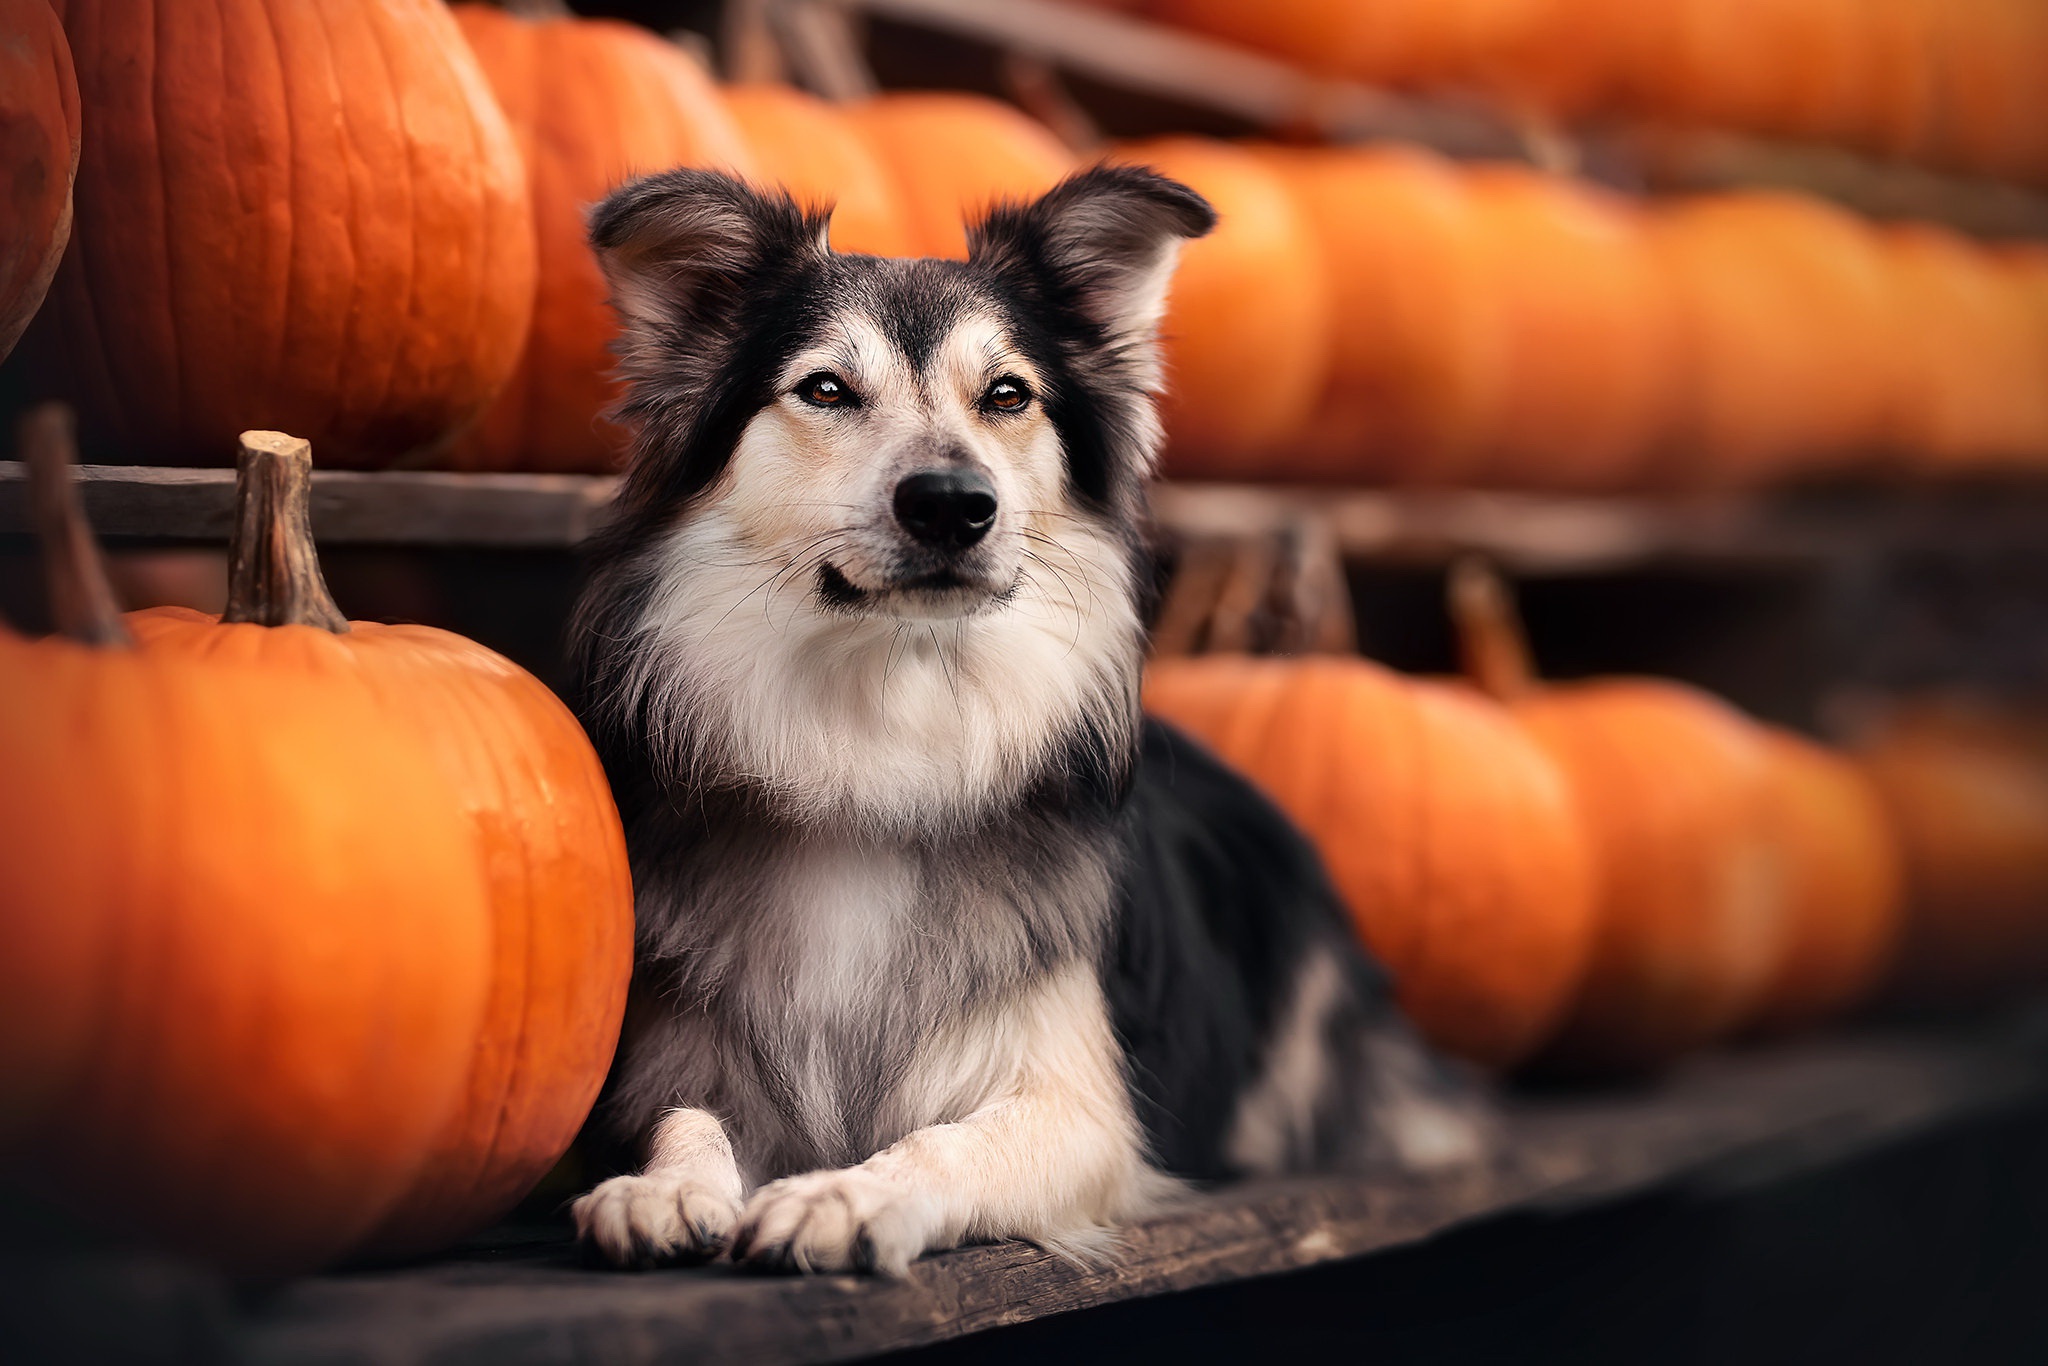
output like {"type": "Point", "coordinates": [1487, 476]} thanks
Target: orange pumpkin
{"type": "Point", "coordinates": [1990, 59]}
{"type": "Point", "coordinates": [1398, 42]}
{"type": "Point", "coordinates": [1587, 333]}
{"type": "Point", "coordinates": [1411, 396]}
{"type": "Point", "coordinates": [1975, 398]}
{"type": "Point", "coordinates": [38, 158]}
{"type": "Point", "coordinates": [952, 156]}
{"type": "Point", "coordinates": [1452, 839]}
{"type": "Point", "coordinates": [528, 782]}
{"type": "Point", "coordinates": [1844, 886]}
{"type": "Point", "coordinates": [1792, 345]}
{"type": "Point", "coordinates": [1671, 785]}
{"type": "Point", "coordinates": [592, 102]}
{"type": "Point", "coordinates": [808, 147]}
{"type": "Point", "coordinates": [1966, 786]}
{"type": "Point", "coordinates": [243, 936]}
{"type": "Point", "coordinates": [300, 213]}
{"type": "Point", "coordinates": [1248, 321]}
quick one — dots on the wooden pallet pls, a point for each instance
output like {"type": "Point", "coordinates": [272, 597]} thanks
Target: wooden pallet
{"type": "Point", "coordinates": [517, 1299]}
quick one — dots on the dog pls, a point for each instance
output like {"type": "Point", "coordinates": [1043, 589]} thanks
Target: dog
{"type": "Point", "coordinates": [939, 941]}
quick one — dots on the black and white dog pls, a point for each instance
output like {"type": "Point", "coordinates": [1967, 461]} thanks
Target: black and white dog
{"type": "Point", "coordinates": [938, 940]}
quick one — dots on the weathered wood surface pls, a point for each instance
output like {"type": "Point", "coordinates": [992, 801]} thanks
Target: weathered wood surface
{"type": "Point", "coordinates": [1526, 532]}
{"type": "Point", "coordinates": [514, 1303]}
{"type": "Point", "coordinates": [390, 507]}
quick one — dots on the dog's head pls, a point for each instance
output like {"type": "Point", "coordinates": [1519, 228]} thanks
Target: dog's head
{"type": "Point", "coordinates": [875, 546]}
{"type": "Point", "coordinates": [913, 423]}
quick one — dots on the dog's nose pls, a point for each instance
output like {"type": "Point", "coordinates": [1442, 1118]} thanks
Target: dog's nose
{"type": "Point", "coordinates": [951, 509]}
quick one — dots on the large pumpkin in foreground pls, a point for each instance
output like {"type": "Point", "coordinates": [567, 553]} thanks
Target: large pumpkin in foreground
{"type": "Point", "coordinates": [526, 780]}
{"type": "Point", "coordinates": [1671, 785]}
{"type": "Point", "coordinates": [38, 158]}
{"type": "Point", "coordinates": [306, 214]}
{"type": "Point", "coordinates": [243, 942]}
{"type": "Point", "coordinates": [1452, 839]}
{"type": "Point", "coordinates": [593, 103]}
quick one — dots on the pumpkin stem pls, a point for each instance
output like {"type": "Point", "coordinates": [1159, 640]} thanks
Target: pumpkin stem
{"type": "Point", "coordinates": [538, 9]}
{"type": "Point", "coordinates": [82, 602]}
{"type": "Point", "coordinates": [1491, 642]}
{"type": "Point", "coordinates": [274, 574]}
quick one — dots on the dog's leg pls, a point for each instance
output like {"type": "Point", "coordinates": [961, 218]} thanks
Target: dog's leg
{"type": "Point", "coordinates": [1054, 1156]}
{"type": "Point", "coordinates": [682, 1207]}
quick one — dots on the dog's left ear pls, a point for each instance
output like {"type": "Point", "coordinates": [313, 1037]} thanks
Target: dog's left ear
{"type": "Point", "coordinates": [1102, 243]}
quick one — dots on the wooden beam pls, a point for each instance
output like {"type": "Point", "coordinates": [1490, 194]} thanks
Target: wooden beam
{"type": "Point", "coordinates": [1526, 532]}
{"type": "Point", "coordinates": [525, 1301]}
{"type": "Point", "coordinates": [391, 507]}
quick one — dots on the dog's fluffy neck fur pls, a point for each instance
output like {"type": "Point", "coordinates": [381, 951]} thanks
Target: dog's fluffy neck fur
{"type": "Point", "coordinates": [867, 725]}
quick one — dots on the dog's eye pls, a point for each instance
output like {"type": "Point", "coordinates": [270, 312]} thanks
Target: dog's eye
{"type": "Point", "coordinates": [826, 390]}
{"type": "Point", "coordinates": [1007, 395]}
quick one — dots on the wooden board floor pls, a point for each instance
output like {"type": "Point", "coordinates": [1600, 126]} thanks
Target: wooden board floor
{"type": "Point", "coordinates": [520, 1296]}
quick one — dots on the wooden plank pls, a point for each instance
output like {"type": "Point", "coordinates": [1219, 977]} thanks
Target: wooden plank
{"type": "Point", "coordinates": [523, 1303]}
{"type": "Point", "coordinates": [1533, 533]}
{"type": "Point", "coordinates": [390, 507]}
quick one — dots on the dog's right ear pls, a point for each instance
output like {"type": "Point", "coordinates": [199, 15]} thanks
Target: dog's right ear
{"type": "Point", "coordinates": [680, 250]}
{"type": "Point", "coordinates": [1102, 243]}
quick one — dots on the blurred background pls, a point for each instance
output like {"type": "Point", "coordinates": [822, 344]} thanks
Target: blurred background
{"type": "Point", "coordinates": [1543, 343]}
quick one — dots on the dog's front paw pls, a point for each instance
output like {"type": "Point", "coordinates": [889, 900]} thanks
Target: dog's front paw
{"type": "Point", "coordinates": [651, 1220]}
{"type": "Point", "coordinates": [847, 1220]}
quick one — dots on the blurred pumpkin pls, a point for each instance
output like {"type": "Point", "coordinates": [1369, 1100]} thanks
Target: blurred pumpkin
{"type": "Point", "coordinates": [1991, 69]}
{"type": "Point", "coordinates": [244, 943]}
{"type": "Point", "coordinates": [1844, 885]}
{"type": "Point", "coordinates": [528, 784]}
{"type": "Point", "coordinates": [1792, 337]}
{"type": "Point", "coordinates": [38, 158]}
{"type": "Point", "coordinates": [301, 213]}
{"type": "Point", "coordinates": [1966, 785]}
{"type": "Point", "coordinates": [1411, 396]}
{"type": "Point", "coordinates": [1974, 399]}
{"type": "Point", "coordinates": [807, 146]}
{"type": "Point", "coordinates": [1392, 42]}
{"type": "Point", "coordinates": [1249, 319]}
{"type": "Point", "coordinates": [952, 156]}
{"type": "Point", "coordinates": [1671, 784]}
{"type": "Point", "coordinates": [1587, 333]}
{"type": "Point", "coordinates": [1452, 839]}
{"type": "Point", "coordinates": [593, 103]}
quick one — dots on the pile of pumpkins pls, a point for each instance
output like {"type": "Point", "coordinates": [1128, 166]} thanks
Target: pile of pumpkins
{"type": "Point", "coordinates": [282, 248]}
{"type": "Point", "coordinates": [1602, 876]}
{"type": "Point", "coordinates": [1386, 316]}
{"type": "Point", "coordinates": [314, 934]}
{"type": "Point", "coordinates": [1954, 84]}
